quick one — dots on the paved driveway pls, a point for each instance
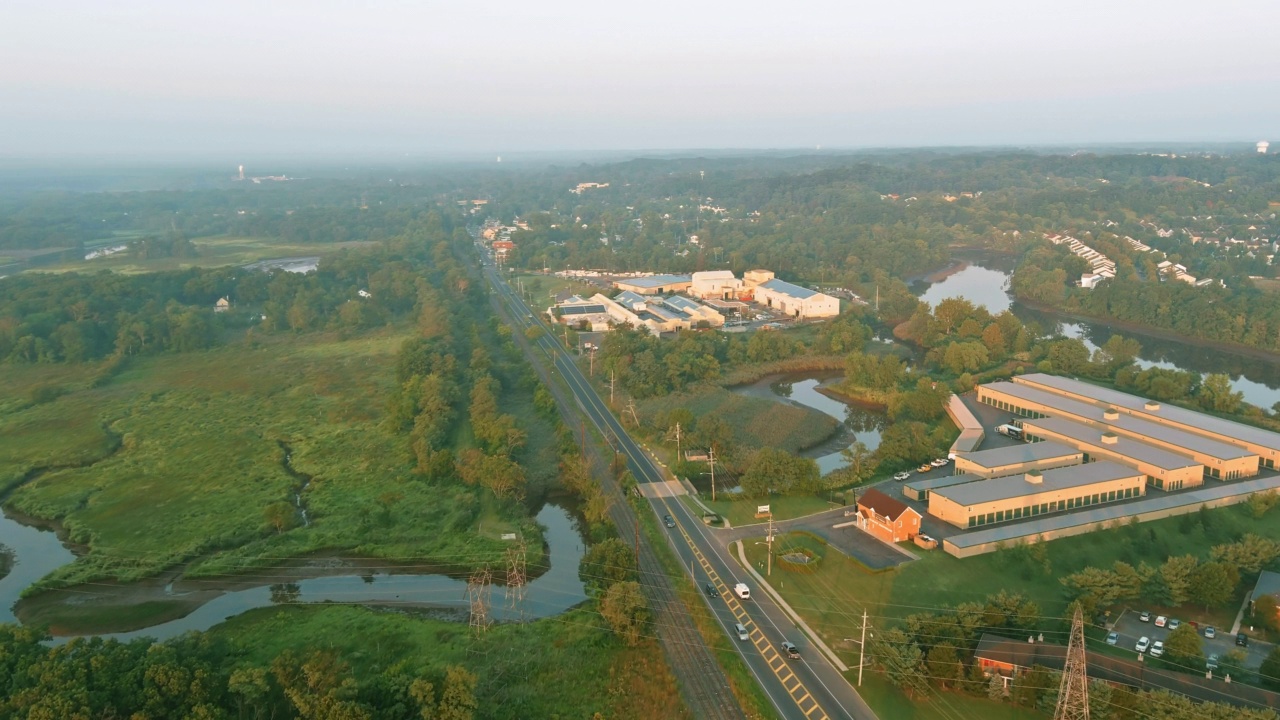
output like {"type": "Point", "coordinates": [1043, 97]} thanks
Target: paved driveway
{"type": "Point", "coordinates": [850, 540]}
{"type": "Point", "coordinates": [1131, 628]}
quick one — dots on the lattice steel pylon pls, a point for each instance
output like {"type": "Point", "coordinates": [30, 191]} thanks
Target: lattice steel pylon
{"type": "Point", "coordinates": [479, 586]}
{"type": "Point", "coordinates": [517, 581]}
{"type": "Point", "coordinates": [1073, 693]}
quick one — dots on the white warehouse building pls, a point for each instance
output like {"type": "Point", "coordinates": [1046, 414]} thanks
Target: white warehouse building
{"type": "Point", "coordinates": [717, 284]}
{"type": "Point", "coordinates": [796, 301]}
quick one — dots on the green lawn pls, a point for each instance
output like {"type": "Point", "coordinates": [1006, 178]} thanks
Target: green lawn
{"type": "Point", "coordinates": [569, 666]}
{"type": "Point", "coordinates": [743, 512]}
{"type": "Point", "coordinates": [215, 251]}
{"type": "Point", "coordinates": [542, 287]}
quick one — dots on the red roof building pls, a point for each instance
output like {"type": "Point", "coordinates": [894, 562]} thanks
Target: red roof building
{"type": "Point", "coordinates": [886, 518]}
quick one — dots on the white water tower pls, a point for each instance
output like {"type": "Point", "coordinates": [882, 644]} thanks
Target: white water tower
{"type": "Point", "coordinates": [1262, 147]}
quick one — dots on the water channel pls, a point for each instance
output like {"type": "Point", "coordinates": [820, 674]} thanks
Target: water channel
{"type": "Point", "coordinates": [557, 588]}
{"type": "Point", "coordinates": [983, 280]}
{"type": "Point", "coordinates": [858, 423]}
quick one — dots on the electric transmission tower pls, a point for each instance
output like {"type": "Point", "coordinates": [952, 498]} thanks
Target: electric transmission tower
{"type": "Point", "coordinates": [1073, 694]}
{"type": "Point", "coordinates": [479, 586]}
{"type": "Point", "coordinates": [517, 581]}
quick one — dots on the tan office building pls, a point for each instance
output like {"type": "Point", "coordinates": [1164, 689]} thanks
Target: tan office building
{"type": "Point", "coordinates": [1263, 443]}
{"type": "Point", "coordinates": [987, 502]}
{"type": "Point", "coordinates": [1015, 459]}
{"type": "Point", "coordinates": [1221, 460]}
{"type": "Point", "coordinates": [1163, 469]}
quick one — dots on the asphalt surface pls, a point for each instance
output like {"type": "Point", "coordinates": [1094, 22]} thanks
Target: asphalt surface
{"type": "Point", "coordinates": [808, 687]}
{"type": "Point", "coordinates": [850, 540]}
{"type": "Point", "coordinates": [1129, 627]}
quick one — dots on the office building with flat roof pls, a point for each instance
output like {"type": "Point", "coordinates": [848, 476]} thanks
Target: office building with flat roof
{"type": "Point", "coordinates": [655, 284]}
{"type": "Point", "coordinates": [1163, 469]}
{"type": "Point", "coordinates": [987, 502]}
{"type": "Point", "coordinates": [1016, 459]}
{"type": "Point", "coordinates": [1264, 443]}
{"type": "Point", "coordinates": [1221, 460]}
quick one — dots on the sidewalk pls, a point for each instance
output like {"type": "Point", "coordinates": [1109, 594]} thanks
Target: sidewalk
{"type": "Point", "coordinates": [795, 617]}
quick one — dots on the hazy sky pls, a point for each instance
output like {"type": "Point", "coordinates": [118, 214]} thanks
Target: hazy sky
{"type": "Point", "coordinates": [233, 78]}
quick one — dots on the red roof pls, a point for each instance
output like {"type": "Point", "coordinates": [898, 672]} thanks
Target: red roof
{"type": "Point", "coordinates": [882, 504]}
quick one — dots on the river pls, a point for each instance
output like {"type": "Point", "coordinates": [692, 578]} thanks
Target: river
{"type": "Point", "coordinates": [556, 589]}
{"type": "Point", "coordinates": [984, 281]}
{"type": "Point", "coordinates": [859, 424]}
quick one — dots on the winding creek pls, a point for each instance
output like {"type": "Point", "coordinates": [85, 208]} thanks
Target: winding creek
{"type": "Point", "coordinates": [858, 423]}
{"type": "Point", "coordinates": [36, 552]}
{"type": "Point", "coordinates": [982, 279]}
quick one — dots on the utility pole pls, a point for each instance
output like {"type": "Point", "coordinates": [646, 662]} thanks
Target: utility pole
{"type": "Point", "coordinates": [631, 406]}
{"type": "Point", "coordinates": [862, 647]}
{"type": "Point", "coordinates": [613, 376]}
{"type": "Point", "coordinates": [769, 572]}
{"type": "Point", "coordinates": [677, 442]}
{"type": "Point", "coordinates": [711, 456]}
{"type": "Point", "coordinates": [593, 360]}
{"type": "Point", "coordinates": [1073, 693]}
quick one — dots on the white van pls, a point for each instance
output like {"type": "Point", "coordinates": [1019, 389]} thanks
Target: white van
{"type": "Point", "coordinates": [741, 630]}
{"type": "Point", "coordinates": [742, 591]}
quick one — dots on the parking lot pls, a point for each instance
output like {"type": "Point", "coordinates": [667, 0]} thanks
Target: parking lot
{"type": "Point", "coordinates": [1130, 628]}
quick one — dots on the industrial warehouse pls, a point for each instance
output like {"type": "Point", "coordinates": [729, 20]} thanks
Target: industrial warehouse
{"type": "Point", "coordinates": [1091, 456]}
{"type": "Point", "coordinates": [650, 302]}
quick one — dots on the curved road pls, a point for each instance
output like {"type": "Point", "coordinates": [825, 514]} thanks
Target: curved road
{"type": "Point", "coordinates": [808, 687]}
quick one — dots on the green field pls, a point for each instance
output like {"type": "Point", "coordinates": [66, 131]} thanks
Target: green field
{"type": "Point", "coordinates": [743, 512]}
{"type": "Point", "coordinates": [889, 702]}
{"type": "Point", "coordinates": [215, 251]}
{"type": "Point", "coordinates": [756, 422]}
{"type": "Point", "coordinates": [201, 445]}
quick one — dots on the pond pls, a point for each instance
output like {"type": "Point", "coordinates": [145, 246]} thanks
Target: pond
{"type": "Point", "coordinates": [858, 423]}
{"type": "Point", "coordinates": [556, 588]}
{"type": "Point", "coordinates": [983, 280]}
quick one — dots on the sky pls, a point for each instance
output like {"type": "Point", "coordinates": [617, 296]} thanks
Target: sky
{"type": "Point", "coordinates": [402, 78]}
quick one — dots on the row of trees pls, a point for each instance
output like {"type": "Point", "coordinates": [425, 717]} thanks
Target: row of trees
{"type": "Point", "coordinates": [197, 676]}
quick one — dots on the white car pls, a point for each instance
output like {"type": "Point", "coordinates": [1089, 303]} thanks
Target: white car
{"type": "Point", "coordinates": [1144, 642]}
{"type": "Point", "coordinates": [1174, 623]}
{"type": "Point", "coordinates": [742, 591]}
{"type": "Point", "coordinates": [1157, 648]}
{"type": "Point", "coordinates": [1161, 621]}
{"type": "Point", "coordinates": [902, 475]}
{"type": "Point", "coordinates": [939, 462]}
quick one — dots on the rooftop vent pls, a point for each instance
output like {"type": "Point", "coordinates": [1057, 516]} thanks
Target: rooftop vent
{"type": "Point", "coordinates": [1034, 477]}
{"type": "Point", "coordinates": [1110, 438]}
{"type": "Point", "coordinates": [1111, 414]}
{"type": "Point", "coordinates": [1152, 405]}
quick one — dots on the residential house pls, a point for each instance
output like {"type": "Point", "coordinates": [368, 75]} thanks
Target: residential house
{"type": "Point", "coordinates": [886, 518]}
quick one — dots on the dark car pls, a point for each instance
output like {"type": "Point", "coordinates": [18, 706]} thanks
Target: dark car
{"type": "Point", "coordinates": [1242, 640]}
{"type": "Point", "coordinates": [711, 590]}
{"type": "Point", "coordinates": [670, 521]}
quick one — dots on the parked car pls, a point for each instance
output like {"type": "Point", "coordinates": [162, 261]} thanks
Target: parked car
{"type": "Point", "coordinates": [1113, 638]}
{"type": "Point", "coordinates": [939, 462]}
{"type": "Point", "coordinates": [790, 650]}
{"type": "Point", "coordinates": [1209, 632]}
{"type": "Point", "coordinates": [669, 521]}
{"type": "Point", "coordinates": [1162, 621]}
{"type": "Point", "coordinates": [742, 591]}
{"type": "Point", "coordinates": [1212, 662]}
{"type": "Point", "coordinates": [1173, 623]}
{"type": "Point", "coordinates": [902, 475]}
{"type": "Point", "coordinates": [1144, 642]}
{"type": "Point", "coordinates": [1242, 640]}
{"type": "Point", "coordinates": [1144, 616]}
{"type": "Point", "coordinates": [1157, 648]}
{"type": "Point", "coordinates": [924, 468]}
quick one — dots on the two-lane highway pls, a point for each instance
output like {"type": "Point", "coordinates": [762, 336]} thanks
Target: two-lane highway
{"type": "Point", "coordinates": [805, 687]}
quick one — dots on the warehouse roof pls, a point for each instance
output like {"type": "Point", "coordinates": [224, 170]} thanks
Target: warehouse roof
{"type": "Point", "coordinates": [714, 275]}
{"type": "Point", "coordinates": [682, 304]}
{"type": "Point", "coordinates": [630, 299]}
{"type": "Point", "coordinates": [944, 481]}
{"type": "Point", "coordinates": [654, 281]}
{"type": "Point", "coordinates": [1208, 423]}
{"type": "Point", "coordinates": [1094, 413]}
{"type": "Point", "coordinates": [1111, 512]}
{"type": "Point", "coordinates": [1013, 486]}
{"type": "Point", "coordinates": [581, 309]}
{"type": "Point", "coordinates": [1014, 454]}
{"type": "Point", "coordinates": [786, 288]}
{"type": "Point", "coordinates": [1128, 447]}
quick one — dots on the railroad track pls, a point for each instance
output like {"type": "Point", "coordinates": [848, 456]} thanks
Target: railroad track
{"type": "Point", "coordinates": [702, 682]}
